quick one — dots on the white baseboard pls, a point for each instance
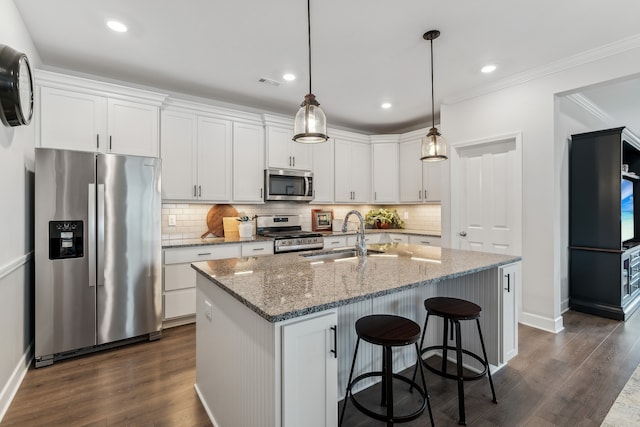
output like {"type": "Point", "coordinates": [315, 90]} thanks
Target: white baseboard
{"type": "Point", "coordinates": [544, 323]}
{"type": "Point", "coordinates": [206, 406]}
{"type": "Point", "coordinates": [11, 387]}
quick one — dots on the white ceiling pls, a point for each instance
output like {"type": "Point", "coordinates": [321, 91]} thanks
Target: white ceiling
{"type": "Point", "coordinates": [365, 52]}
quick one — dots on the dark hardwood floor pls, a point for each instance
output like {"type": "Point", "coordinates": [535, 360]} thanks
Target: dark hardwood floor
{"type": "Point", "coordinates": [566, 379]}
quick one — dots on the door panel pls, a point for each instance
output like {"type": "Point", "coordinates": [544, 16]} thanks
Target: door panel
{"type": "Point", "coordinates": [488, 198]}
{"type": "Point", "coordinates": [65, 290]}
{"type": "Point", "coordinates": [130, 301]}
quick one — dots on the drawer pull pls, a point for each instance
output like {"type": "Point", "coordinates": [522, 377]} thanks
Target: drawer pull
{"type": "Point", "coordinates": [204, 254]}
{"type": "Point", "coordinates": [258, 249]}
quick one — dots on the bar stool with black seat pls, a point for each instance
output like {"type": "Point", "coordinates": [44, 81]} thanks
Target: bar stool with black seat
{"type": "Point", "coordinates": [453, 310]}
{"type": "Point", "coordinates": [387, 331]}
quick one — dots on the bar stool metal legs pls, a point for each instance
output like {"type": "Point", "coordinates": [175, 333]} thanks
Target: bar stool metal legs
{"type": "Point", "coordinates": [387, 341]}
{"type": "Point", "coordinates": [452, 311]}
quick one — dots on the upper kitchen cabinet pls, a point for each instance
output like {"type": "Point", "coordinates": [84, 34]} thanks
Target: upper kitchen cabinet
{"type": "Point", "coordinates": [419, 181]}
{"type": "Point", "coordinates": [323, 174]}
{"type": "Point", "coordinates": [248, 163]}
{"type": "Point", "coordinates": [385, 168]}
{"type": "Point", "coordinates": [87, 115]}
{"type": "Point", "coordinates": [282, 151]}
{"type": "Point", "coordinates": [196, 156]}
{"type": "Point", "coordinates": [352, 169]}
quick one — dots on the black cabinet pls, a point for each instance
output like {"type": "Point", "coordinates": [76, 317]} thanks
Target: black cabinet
{"type": "Point", "coordinates": [603, 270]}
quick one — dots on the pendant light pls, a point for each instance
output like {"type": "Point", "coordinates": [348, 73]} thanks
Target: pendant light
{"type": "Point", "coordinates": [310, 125]}
{"type": "Point", "coordinates": [433, 147]}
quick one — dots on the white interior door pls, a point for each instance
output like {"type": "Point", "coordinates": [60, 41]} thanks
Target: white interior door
{"type": "Point", "coordinates": [487, 196]}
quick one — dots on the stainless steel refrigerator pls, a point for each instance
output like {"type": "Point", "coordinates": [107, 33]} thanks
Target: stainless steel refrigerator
{"type": "Point", "coordinates": [97, 252]}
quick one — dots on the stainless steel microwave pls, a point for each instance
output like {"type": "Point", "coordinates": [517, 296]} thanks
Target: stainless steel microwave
{"type": "Point", "coordinates": [288, 184]}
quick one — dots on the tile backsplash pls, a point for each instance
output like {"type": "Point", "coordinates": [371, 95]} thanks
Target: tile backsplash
{"type": "Point", "coordinates": [191, 219]}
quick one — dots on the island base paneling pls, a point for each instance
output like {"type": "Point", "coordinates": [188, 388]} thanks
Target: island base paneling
{"type": "Point", "coordinates": [237, 377]}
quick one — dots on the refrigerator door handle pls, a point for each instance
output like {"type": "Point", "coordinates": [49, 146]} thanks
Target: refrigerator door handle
{"type": "Point", "coordinates": [91, 226]}
{"type": "Point", "coordinates": [100, 236]}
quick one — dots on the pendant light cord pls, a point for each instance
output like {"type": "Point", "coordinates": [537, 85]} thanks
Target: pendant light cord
{"type": "Point", "coordinates": [309, 30]}
{"type": "Point", "coordinates": [433, 116]}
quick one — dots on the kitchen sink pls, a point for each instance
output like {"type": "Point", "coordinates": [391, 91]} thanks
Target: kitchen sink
{"type": "Point", "coordinates": [335, 254]}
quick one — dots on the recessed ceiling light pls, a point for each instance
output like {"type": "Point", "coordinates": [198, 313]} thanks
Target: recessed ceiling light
{"type": "Point", "coordinates": [488, 68]}
{"type": "Point", "coordinates": [117, 26]}
{"type": "Point", "coordinates": [386, 105]}
{"type": "Point", "coordinates": [289, 77]}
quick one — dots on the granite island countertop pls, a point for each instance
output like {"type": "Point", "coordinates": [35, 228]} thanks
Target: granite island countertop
{"type": "Point", "coordinates": [285, 286]}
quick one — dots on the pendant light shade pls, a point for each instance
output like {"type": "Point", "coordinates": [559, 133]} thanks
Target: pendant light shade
{"type": "Point", "coordinates": [434, 146]}
{"type": "Point", "coordinates": [310, 125]}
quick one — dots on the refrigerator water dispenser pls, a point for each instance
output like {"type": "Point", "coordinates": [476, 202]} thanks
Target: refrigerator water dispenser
{"type": "Point", "coordinates": [65, 239]}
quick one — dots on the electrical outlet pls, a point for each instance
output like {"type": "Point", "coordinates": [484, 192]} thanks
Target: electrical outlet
{"type": "Point", "coordinates": [207, 310]}
{"type": "Point", "coordinates": [172, 220]}
{"type": "Point", "coordinates": [406, 215]}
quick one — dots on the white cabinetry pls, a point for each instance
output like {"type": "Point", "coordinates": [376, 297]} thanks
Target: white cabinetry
{"type": "Point", "coordinates": [284, 153]}
{"type": "Point", "coordinates": [196, 156]}
{"type": "Point", "coordinates": [398, 238]}
{"type": "Point", "coordinates": [509, 276]}
{"type": "Point", "coordinates": [352, 171]}
{"type": "Point", "coordinates": [309, 357]}
{"type": "Point", "coordinates": [248, 162]}
{"type": "Point", "coordinates": [323, 172]}
{"type": "Point", "coordinates": [370, 239]}
{"type": "Point", "coordinates": [419, 181]}
{"type": "Point", "coordinates": [179, 281]}
{"type": "Point", "coordinates": [87, 115]}
{"type": "Point", "coordinates": [385, 172]}
{"type": "Point", "coordinates": [424, 240]}
{"type": "Point", "coordinates": [257, 248]}
{"type": "Point", "coordinates": [331, 242]}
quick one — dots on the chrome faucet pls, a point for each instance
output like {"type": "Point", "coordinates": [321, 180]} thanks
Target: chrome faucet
{"type": "Point", "coordinates": [361, 244]}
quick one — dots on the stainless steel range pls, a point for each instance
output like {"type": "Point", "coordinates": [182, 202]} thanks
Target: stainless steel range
{"type": "Point", "coordinates": [287, 233]}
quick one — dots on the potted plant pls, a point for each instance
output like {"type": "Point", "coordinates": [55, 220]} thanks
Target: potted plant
{"type": "Point", "coordinates": [245, 228]}
{"type": "Point", "coordinates": [383, 218]}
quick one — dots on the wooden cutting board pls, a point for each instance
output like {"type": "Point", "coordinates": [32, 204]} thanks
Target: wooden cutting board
{"type": "Point", "coordinates": [214, 219]}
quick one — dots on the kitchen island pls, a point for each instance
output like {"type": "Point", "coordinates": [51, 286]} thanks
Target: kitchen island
{"type": "Point", "coordinates": [274, 334]}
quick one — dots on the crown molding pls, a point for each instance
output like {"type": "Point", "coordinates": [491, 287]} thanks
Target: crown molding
{"type": "Point", "coordinates": [587, 105]}
{"type": "Point", "coordinates": [573, 61]}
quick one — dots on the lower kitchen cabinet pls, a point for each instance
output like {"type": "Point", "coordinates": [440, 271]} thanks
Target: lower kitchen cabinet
{"type": "Point", "coordinates": [371, 238]}
{"type": "Point", "coordinates": [179, 279]}
{"type": "Point", "coordinates": [331, 242]}
{"type": "Point", "coordinates": [398, 238]}
{"type": "Point", "coordinates": [278, 374]}
{"type": "Point", "coordinates": [509, 277]}
{"type": "Point", "coordinates": [424, 240]}
{"type": "Point", "coordinates": [257, 248]}
{"type": "Point", "coordinates": [310, 372]}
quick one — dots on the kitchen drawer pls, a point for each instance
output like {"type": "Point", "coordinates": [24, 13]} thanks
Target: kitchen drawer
{"type": "Point", "coordinates": [179, 276]}
{"type": "Point", "coordinates": [371, 239]}
{"type": "Point", "coordinates": [201, 253]}
{"type": "Point", "coordinates": [257, 248]}
{"type": "Point", "coordinates": [398, 238]}
{"type": "Point", "coordinates": [179, 303]}
{"type": "Point", "coordinates": [424, 240]}
{"type": "Point", "coordinates": [331, 242]}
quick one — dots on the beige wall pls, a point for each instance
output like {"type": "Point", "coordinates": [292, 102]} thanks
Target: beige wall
{"type": "Point", "coordinates": [191, 218]}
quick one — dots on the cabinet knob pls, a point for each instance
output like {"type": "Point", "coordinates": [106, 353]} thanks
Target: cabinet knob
{"type": "Point", "coordinates": [463, 233]}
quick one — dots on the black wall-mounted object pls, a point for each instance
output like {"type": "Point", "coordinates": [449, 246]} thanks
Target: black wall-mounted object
{"type": "Point", "coordinates": [604, 271]}
{"type": "Point", "coordinates": [16, 88]}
